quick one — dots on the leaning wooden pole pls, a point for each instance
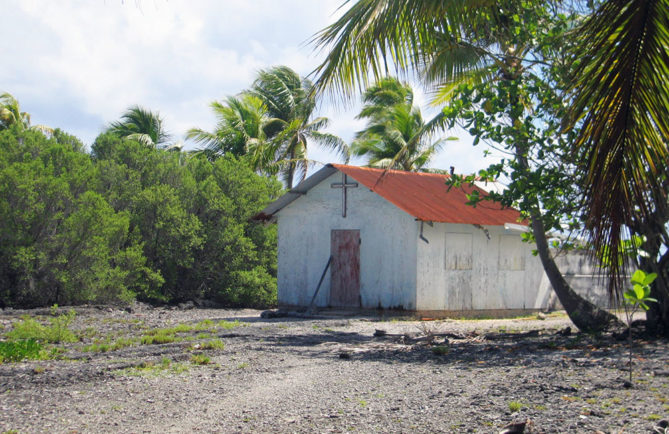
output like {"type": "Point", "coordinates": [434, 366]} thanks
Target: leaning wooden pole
{"type": "Point", "coordinates": [320, 282]}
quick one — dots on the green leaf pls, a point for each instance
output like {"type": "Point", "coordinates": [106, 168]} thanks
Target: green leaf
{"type": "Point", "coordinates": [650, 278]}
{"type": "Point", "coordinates": [630, 295]}
{"type": "Point", "coordinates": [638, 277]}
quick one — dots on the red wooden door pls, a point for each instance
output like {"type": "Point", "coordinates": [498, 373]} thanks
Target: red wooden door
{"type": "Point", "coordinates": [345, 271]}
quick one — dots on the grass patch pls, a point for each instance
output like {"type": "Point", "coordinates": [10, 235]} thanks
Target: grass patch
{"type": "Point", "coordinates": [155, 369]}
{"type": "Point", "coordinates": [109, 345]}
{"type": "Point", "coordinates": [205, 324]}
{"type": "Point", "coordinates": [157, 339]}
{"type": "Point", "coordinates": [215, 344]}
{"type": "Point", "coordinates": [228, 325]}
{"type": "Point", "coordinates": [653, 416]}
{"type": "Point", "coordinates": [200, 359]}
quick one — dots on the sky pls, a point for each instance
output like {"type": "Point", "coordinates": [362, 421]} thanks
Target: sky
{"type": "Point", "coordinates": [78, 65]}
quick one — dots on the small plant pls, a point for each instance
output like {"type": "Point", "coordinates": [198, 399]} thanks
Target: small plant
{"type": "Point", "coordinates": [204, 324]}
{"type": "Point", "coordinates": [515, 406]}
{"type": "Point", "coordinates": [653, 416]}
{"type": "Point", "coordinates": [637, 297]}
{"type": "Point", "coordinates": [440, 350]}
{"type": "Point", "coordinates": [200, 359]}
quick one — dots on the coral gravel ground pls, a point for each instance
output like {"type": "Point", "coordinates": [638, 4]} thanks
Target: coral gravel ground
{"type": "Point", "coordinates": [166, 370]}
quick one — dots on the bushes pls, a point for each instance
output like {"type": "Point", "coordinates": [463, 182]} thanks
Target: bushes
{"type": "Point", "coordinates": [15, 351]}
{"type": "Point", "coordinates": [58, 331]}
{"type": "Point", "coordinates": [129, 221]}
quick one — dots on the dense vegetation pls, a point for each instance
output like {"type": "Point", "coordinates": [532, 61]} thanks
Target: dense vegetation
{"type": "Point", "coordinates": [129, 221]}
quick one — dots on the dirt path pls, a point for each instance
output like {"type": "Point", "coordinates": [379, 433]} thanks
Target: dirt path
{"type": "Point", "coordinates": [332, 375]}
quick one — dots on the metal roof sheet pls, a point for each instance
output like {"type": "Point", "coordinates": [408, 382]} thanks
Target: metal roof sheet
{"type": "Point", "coordinates": [422, 195]}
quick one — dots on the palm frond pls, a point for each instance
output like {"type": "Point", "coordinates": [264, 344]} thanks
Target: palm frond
{"type": "Point", "coordinates": [333, 143]}
{"type": "Point", "coordinates": [143, 125]}
{"type": "Point", "coordinates": [621, 96]}
{"type": "Point", "coordinates": [373, 36]}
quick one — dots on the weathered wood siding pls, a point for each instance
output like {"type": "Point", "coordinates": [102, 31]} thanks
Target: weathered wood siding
{"type": "Point", "coordinates": [464, 267]}
{"type": "Point", "coordinates": [387, 249]}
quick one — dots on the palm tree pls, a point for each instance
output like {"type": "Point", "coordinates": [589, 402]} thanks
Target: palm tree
{"type": "Point", "coordinates": [240, 128]}
{"type": "Point", "coordinates": [12, 116]}
{"type": "Point", "coordinates": [290, 127]}
{"type": "Point", "coordinates": [621, 95]}
{"type": "Point", "coordinates": [141, 125]}
{"type": "Point", "coordinates": [396, 136]}
{"type": "Point", "coordinates": [444, 43]}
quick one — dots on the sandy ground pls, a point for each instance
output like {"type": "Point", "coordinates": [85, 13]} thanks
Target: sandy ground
{"type": "Point", "coordinates": [332, 375]}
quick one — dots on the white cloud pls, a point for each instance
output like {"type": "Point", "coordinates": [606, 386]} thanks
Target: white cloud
{"type": "Point", "coordinates": [79, 64]}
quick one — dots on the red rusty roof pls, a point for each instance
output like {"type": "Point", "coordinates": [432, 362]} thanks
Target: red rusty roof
{"type": "Point", "coordinates": [426, 197]}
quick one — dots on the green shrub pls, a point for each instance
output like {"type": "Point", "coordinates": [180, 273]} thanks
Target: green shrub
{"type": "Point", "coordinates": [15, 351]}
{"type": "Point", "coordinates": [250, 288]}
{"type": "Point", "coordinates": [58, 330]}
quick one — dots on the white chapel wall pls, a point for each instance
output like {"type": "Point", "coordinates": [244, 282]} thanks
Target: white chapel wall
{"type": "Point", "coordinates": [387, 250]}
{"type": "Point", "coordinates": [464, 267]}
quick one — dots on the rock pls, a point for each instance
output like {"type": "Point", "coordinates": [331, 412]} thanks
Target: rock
{"type": "Point", "coordinates": [206, 304]}
{"type": "Point", "coordinates": [662, 427]}
{"type": "Point", "coordinates": [128, 309]}
{"type": "Point", "coordinates": [187, 305]}
{"type": "Point", "coordinates": [541, 316]}
{"type": "Point", "coordinates": [344, 355]}
{"type": "Point", "coordinates": [661, 373]}
{"type": "Point", "coordinates": [565, 331]}
{"type": "Point", "coordinates": [379, 333]}
{"type": "Point", "coordinates": [516, 427]}
{"type": "Point", "coordinates": [268, 314]}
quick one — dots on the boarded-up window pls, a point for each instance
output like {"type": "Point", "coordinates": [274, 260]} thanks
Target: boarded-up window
{"type": "Point", "coordinates": [458, 254]}
{"type": "Point", "coordinates": [511, 253]}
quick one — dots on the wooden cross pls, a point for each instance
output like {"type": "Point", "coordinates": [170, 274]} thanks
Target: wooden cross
{"type": "Point", "coordinates": [343, 185]}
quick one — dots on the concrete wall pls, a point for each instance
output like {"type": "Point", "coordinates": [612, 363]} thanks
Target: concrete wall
{"type": "Point", "coordinates": [584, 278]}
{"type": "Point", "coordinates": [387, 250]}
{"type": "Point", "coordinates": [464, 267]}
